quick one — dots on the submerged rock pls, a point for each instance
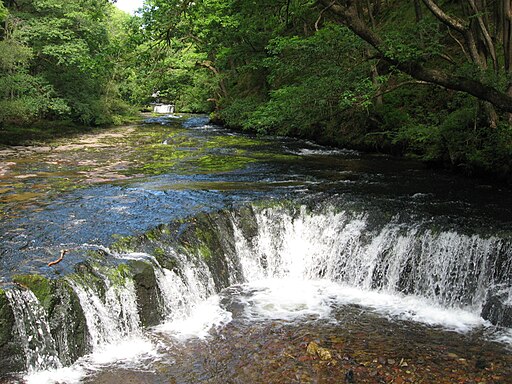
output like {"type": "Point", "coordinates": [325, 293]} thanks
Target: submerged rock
{"type": "Point", "coordinates": [498, 309]}
{"type": "Point", "coordinates": [315, 350]}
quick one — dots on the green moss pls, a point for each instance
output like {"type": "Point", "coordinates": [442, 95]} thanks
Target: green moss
{"type": "Point", "coordinates": [153, 235]}
{"type": "Point", "coordinates": [267, 156]}
{"type": "Point", "coordinates": [222, 163]}
{"type": "Point", "coordinates": [205, 252]}
{"type": "Point", "coordinates": [166, 230]}
{"type": "Point", "coordinates": [234, 141]}
{"type": "Point", "coordinates": [122, 243]}
{"type": "Point", "coordinates": [287, 204]}
{"type": "Point", "coordinates": [39, 285]}
{"type": "Point", "coordinates": [117, 276]}
{"type": "Point", "coordinates": [159, 252]}
{"type": "Point", "coordinates": [160, 158]}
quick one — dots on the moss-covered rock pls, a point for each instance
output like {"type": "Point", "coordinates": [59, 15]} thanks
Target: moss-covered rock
{"type": "Point", "coordinates": [246, 221]}
{"type": "Point", "coordinates": [11, 354]}
{"type": "Point", "coordinates": [87, 275]}
{"type": "Point", "coordinates": [42, 288]}
{"type": "Point", "coordinates": [148, 294]}
{"type": "Point", "coordinates": [65, 315]}
{"type": "Point", "coordinates": [210, 237]}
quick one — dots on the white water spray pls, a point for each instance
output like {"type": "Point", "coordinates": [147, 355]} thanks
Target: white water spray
{"type": "Point", "coordinates": [405, 271]}
{"type": "Point", "coordinates": [33, 331]}
{"type": "Point", "coordinates": [190, 304]}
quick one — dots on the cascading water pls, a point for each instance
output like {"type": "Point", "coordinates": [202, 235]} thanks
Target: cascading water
{"type": "Point", "coordinates": [111, 326]}
{"type": "Point", "coordinates": [281, 262]}
{"type": "Point", "coordinates": [190, 291]}
{"type": "Point", "coordinates": [112, 319]}
{"type": "Point", "coordinates": [33, 331]}
{"type": "Point", "coordinates": [448, 268]}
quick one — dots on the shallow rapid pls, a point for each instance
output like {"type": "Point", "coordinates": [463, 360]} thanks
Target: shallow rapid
{"type": "Point", "coordinates": [212, 256]}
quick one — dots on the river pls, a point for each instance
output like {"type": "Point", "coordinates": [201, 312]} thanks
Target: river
{"type": "Point", "coordinates": [198, 254]}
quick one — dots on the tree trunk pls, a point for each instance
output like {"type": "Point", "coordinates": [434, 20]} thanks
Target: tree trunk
{"type": "Point", "coordinates": [504, 31]}
{"type": "Point", "coordinates": [418, 11]}
{"type": "Point", "coordinates": [348, 16]}
{"type": "Point", "coordinates": [211, 67]}
{"type": "Point", "coordinates": [484, 30]}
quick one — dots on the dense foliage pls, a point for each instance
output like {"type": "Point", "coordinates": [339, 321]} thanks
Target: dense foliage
{"type": "Point", "coordinates": [61, 60]}
{"type": "Point", "coordinates": [431, 79]}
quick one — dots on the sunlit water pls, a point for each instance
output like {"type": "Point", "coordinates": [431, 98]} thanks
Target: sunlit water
{"type": "Point", "coordinates": [327, 310]}
{"type": "Point", "coordinates": [258, 329]}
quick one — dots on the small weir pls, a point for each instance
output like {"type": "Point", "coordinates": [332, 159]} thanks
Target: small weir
{"type": "Point", "coordinates": [236, 268]}
{"type": "Point", "coordinates": [284, 262]}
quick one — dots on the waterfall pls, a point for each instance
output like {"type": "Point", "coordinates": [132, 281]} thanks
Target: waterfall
{"type": "Point", "coordinates": [190, 291]}
{"type": "Point", "coordinates": [295, 260]}
{"type": "Point", "coordinates": [450, 268]}
{"type": "Point", "coordinates": [181, 292]}
{"type": "Point", "coordinates": [163, 108]}
{"type": "Point", "coordinates": [33, 331]}
{"type": "Point", "coordinates": [112, 318]}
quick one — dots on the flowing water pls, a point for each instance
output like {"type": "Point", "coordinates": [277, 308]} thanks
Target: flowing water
{"type": "Point", "coordinates": [196, 254]}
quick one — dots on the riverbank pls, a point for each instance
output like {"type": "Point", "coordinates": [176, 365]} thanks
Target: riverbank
{"type": "Point", "coordinates": [43, 131]}
{"type": "Point", "coordinates": [487, 157]}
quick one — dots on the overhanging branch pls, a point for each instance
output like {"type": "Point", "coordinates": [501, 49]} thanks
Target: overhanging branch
{"type": "Point", "coordinates": [347, 15]}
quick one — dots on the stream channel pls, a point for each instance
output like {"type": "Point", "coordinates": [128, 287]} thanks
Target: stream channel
{"type": "Point", "coordinates": [195, 254]}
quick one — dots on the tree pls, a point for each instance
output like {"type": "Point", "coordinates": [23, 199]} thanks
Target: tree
{"type": "Point", "coordinates": [3, 12]}
{"type": "Point", "coordinates": [347, 13]}
{"type": "Point", "coordinates": [71, 49]}
{"type": "Point", "coordinates": [23, 96]}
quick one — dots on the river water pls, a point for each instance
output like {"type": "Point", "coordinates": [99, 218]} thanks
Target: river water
{"type": "Point", "coordinates": [348, 268]}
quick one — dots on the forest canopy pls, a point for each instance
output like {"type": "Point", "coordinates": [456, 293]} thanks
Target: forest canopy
{"type": "Point", "coordinates": [427, 78]}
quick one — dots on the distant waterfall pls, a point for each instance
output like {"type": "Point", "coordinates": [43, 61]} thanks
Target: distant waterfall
{"type": "Point", "coordinates": [163, 108]}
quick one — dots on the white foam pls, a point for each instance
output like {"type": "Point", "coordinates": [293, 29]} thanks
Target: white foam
{"type": "Point", "coordinates": [412, 308]}
{"type": "Point", "coordinates": [203, 317]}
{"type": "Point", "coordinates": [127, 353]}
{"type": "Point", "coordinates": [68, 375]}
{"type": "Point", "coordinates": [289, 299]}
{"type": "Point", "coordinates": [286, 299]}
{"type": "Point", "coordinates": [325, 152]}
{"type": "Point", "coordinates": [502, 335]}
